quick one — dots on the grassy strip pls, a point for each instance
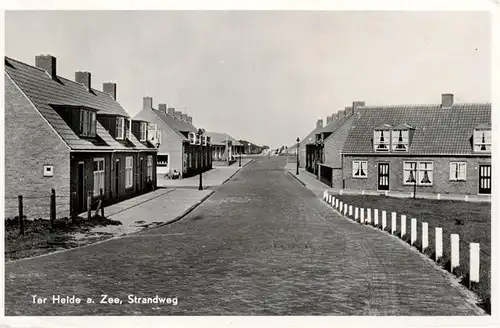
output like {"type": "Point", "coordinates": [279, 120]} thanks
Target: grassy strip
{"type": "Point", "coordinates": [471, 221]}
{"type": "Point", "coordinates": [39, 238]}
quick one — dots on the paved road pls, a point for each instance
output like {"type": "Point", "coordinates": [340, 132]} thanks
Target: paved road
{"type": "Point", "coordinates": [261, 244]}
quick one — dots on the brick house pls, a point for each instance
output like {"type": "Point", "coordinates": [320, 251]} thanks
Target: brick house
{"type": "Point", "coordinates": [309, 139]}
{"type": "Point", "coordinates": [180, 146]}
{"type": "Point", "coordinates": [66, 135]}
{"type": "Point", "coordinates": [443, 148]}
{"type": "Point", "coordinates": [250, 148]}
{"type": "Point", "coordinates": [224, 148]}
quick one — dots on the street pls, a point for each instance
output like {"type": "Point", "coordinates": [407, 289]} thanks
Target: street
{"type": "Point", "coordinates": [262, 244]}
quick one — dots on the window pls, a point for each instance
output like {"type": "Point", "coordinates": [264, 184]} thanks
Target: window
{"type": "Point", "coordinates": [381, 140]}
{"type": "Point", "coordinates": [144, 131]}
{"type": "Point", "coordinates": [359, 169]}
{"type": "Point", "coordinates": [120, 127]}
{"type": "Point", "coordinates": [98, 175]}
{"type": "Point", "coordinates": [150, 168]}
{"type": "Point", "coordinates": [128, 128]}
{"type": "Point", "coordinates": [421, 173]}
{"type": "Point", "coordinates": [87, 123]}
{"type": "Point", "coordinates": [129, 171]}
{"type": "Point", "coordinates": [458, 171]}
{"type": "Point", "coordinates": [482, 140]}
{"type": "Point", "coordinates": [162, 160]}
{"type": "Point", "coordinates": [400, 140]}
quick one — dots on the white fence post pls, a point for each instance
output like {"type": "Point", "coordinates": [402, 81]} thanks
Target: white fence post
{"type": "Point", "coordinates": [345, 209]}
{"type": "Point", "coordinates": [393, 222]}
{"type": "Point", "coordinates": [439, 243]}
{"type": "Point", "coordinates": [340, 191]}
{"type": "Point", "coordinates": [474, 263]}
{"type": "Point", "coordinates": [356, 213]}
{"type": "Point", "coordinates": [362, 215]}
{"type": "Point", "coordinates": [375, 216]}
{"type": "Point", "coordinates": [425, 236]}
{"type": "Point", "coordinates": [324, 195]}
{"type": "Point", "coordinates": [350, 210]}
{"type": "Point", "coordinates": [413, 231]}
{"type": "Point", "coordinates": [369, 215]}
{"type": "Point", "coordinates": [341, 206]}
{"type": "Point", "coordinates": [337, 203]}
{"type": "Point", "coordinates": [384, 220]}
{"type": "Point", "coordinates": [455, 251]}
{"type": "Point", "coordinates": [403, 225]}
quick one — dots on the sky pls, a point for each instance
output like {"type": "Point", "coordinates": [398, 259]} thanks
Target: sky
{"type": "Point", "coordinates": [264, 76]}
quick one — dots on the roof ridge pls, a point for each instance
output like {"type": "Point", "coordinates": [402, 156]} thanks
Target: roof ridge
{"type": "Point", "coordinates": [25, 64]}
{"type": "Point", "coordinates": [422, 105]}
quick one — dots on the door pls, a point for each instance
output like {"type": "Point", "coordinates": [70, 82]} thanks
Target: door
{"type": "Point", "coordinates": [117, 179]}
{"type": "Point", "coordinates": [81, 188]}
{"type": "Point", "coordinates": [141, 175]}
{"type": "Point", "coordinates": [485, 179]}
{"type": "Point", "coordinates": [383, 176]}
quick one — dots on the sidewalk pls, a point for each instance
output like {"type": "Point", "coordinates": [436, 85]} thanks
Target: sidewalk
{"type": "Point", "coordinates": [216, 176]}
{"type": "Point", "coordinates": [311, 182]}
{"type": "Point", "coordinates": [153, 209]}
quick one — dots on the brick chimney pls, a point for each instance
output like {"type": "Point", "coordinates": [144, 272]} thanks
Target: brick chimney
{"type": "Point", "coordinates": [47, 63]}
{"type": "Point", "coordinates": [84, 78]}
{"type": "Point", "coordinates": [341, 114]}
{"type": "Point", "coordinates": [329, 119]}
{"type": "Point", "coordinates": [190, 120]}
{"type": "Point", "coordinates": [162, 108]}
{"type": "Point", "coordinates": [319, 123]}
{"type": "Point", "coordinates": [171, 111]}
{"type": "Point", "coordinates": [178, 114]}
{"type": "Point", "coordinates": [348, 111]}
{"type": "Point", "coordinates": [446, 100]}
{"type": "Point", "coordinates": [357, 104]}
{"type": "Point", "coordinates": [184, 117]}
{"type": "Point", "coordinates": [109, 88]}
{"type": "Point", "coordinates": [147, 103]}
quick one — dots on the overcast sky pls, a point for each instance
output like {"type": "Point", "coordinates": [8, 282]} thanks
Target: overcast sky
{"type": "Point", "coordinates": [265, 77]}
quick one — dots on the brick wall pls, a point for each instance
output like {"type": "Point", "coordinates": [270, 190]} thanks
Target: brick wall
{"type": "Point", "coordinates": [441, 171]}
{"type": "Point", "coordinates": [31, 143]}
{"type": "Point", "coordinates": [334, 144]}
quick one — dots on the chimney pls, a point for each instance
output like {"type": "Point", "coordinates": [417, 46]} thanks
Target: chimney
{"type": "Point", "coordinates": [171, 111]}
{"type": "Point", "coordinates": [319, 123]}
{"type": "Point", "coordinates": [177, 114]}
{"type": "Point", "coordinates": [47, 63]}
{"type": "Point", "coordinates": [109, 88]}
{"type": "Point", "coordinates": [162, 108]}
{"type": "Point", "coordinates": [83, 78]}
{"type": "Point", "coordinates": [348, 111]}
{"type": "Point", "coordinates": [190, 120]}
{"type": "Point", "coordinates": [184, 117]}
{"type": "Point", "coordinates": [446, 100]}
{"type": "Point", "coordinates": [147, 103]}
{"type": "Point", "coordinates": [357, 104]}
{"type": "Point", "coordinates": [341, 114]}
{"type": "Point", "coordinates": [329, 119]}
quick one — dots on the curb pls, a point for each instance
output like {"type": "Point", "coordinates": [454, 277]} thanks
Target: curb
{"type": "Point", "coordinates": [301, 182]}
{"type": "Point", "coordinates": [179, 217]}
{"type": "Point", "coordinates": [232, 175]}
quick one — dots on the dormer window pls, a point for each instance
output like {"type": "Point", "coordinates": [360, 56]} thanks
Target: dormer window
{"type": "Point", "coordinates": [401, 137]}
{"type": "Point", "coordinates": [482, 139]}
{"type": "Point", "coordinates": [192, 138]}
{"type": "Point", "coordinates": [382, 138]}
{"type": "Point", "coordinates": [120, 128]}
{"type": "Point", "coordinates": [129, 129]}
{"type": "Point", "coordinates": [87, 123]}
{"type": "Point", "coordinates": [143, 131]}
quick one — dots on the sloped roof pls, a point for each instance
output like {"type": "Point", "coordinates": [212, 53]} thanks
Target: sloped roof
{"type": "Point", "coordinates": [44, 92]}
{"type": "Point", "coordinates": [334, 126]}
{"type": "Point", "coordinates": [219, 138]}
{"type": "Point", "coordinates": [175, 124]}
{"type": "Point", "coordinates": [436, 130]}
{"type": "Point", "coordinates": [310, 138]}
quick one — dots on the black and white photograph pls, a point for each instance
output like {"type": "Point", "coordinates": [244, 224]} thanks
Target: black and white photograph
{"type": "Point", "coordinates": [261, 163]}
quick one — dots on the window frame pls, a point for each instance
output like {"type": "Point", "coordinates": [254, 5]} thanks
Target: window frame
{"type": "Point", "coordinates": [418, 177]}
{"type": "Point", "coordinates": [129, 172]}
{"type": "Point", "coordinates": [88, 124]}
{"type": "Point", "coordinates": [359, 162]}
{"type": "Point", "coordinates": [100, 174]}
{"type": "Point", "coordinates": [120, 128]}
{"type": "Point", "coordinates": [479, 144]}
{"type": "Point", "coordinates": [457, 170]}
{"type": "Point", "coordinates": [143, 131]}
{"type": "Point", "coordinates": [395, 142]}
{"type": "Point", "coordinates": [377, 143]}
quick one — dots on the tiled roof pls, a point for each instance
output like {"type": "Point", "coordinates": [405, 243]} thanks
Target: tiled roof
{"type": "Point", "coordinates": [436, 130]}
{"type": "Point", "coordinates": [43, 91]}
{"type": "Point", "coordinates": [219, 138]}
{"type": "Point", "coordinates": [177, 125]}
{"type": "Point", "coordinates": [310, 138]}
{"type": "Point", "coordinates": [333, 126]}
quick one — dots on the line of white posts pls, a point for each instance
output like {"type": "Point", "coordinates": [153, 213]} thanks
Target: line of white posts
{"type": "Point", "coordinates": [359, 216]}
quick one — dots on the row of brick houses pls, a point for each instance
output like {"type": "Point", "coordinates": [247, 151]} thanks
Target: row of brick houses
{"type": "Point", "coordinates": [437, 148]}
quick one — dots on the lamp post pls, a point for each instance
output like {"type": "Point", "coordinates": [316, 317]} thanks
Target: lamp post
{"type": "Point", "coordinates": [298, 140]}
{"type": "Point", "coordinates": [200, 187]}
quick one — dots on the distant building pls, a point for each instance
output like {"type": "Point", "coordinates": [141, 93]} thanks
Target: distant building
{"type": "Point", "coordinates": [225, 148]}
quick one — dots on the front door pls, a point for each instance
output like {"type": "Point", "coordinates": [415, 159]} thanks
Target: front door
{"type": "Point", "coordinates": [485, 179]}
{"type": "Point", "coordinates": [81, 188]}
{"type": "Point", "coordinates": [117, 179]}
{"type": "Point", "coordinates": [383, 176]}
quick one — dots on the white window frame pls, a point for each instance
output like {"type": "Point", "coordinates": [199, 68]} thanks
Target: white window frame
{"type": "Point", "coordinates": [387, 141]}
{"type": "Point", "coordinates": [455, 171]}
{"type": "Point", "coordinates": [419, 173]}
{"type": "Point", "coordinates": [129, 129]}
{"type": "Point", "coordinates": [99, 175]}
{"type": "Point", "coordinates": [478, 143]}
{"type": "Point", "coordinates": [144, 131]}
{"type": "Point", "coordinates": [355, 165]}
{"type": "Point", "coordinates": [120, 128]}
{"type": "Point", "coordinates": [129, 171]}
{"type": "Point", "coordinates": [395, 140]}
{"type": "Point", "coordinates": [87, 123]}
{"type": "Point", "coordinates": [149, 171]}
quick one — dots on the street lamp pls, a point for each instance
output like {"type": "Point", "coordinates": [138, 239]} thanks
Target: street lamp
{"type": "Point", "coordinates": [200, 133]}
{"type": "Point", "coordinates": [298, 140]}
